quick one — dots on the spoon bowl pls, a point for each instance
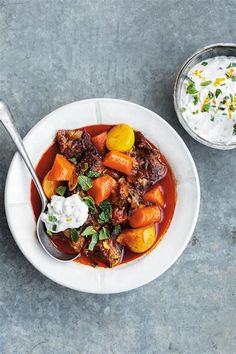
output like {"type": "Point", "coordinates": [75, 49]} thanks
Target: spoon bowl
{"type": "Point", "coordinates": [46, 243]}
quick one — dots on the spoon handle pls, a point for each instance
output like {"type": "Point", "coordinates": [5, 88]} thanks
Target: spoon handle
{"type": "Point", "coordinates": [7, 121]}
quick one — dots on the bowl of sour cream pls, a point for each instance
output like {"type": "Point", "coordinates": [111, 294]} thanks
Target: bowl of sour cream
{"type": "Point", "coordinates": [205, 96]}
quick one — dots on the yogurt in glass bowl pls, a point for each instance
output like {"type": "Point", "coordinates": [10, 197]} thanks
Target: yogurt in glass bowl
{"type": "Point", "coordinates": [205, 96]}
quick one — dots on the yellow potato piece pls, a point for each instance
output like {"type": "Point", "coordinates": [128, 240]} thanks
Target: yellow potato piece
{"type": "Point", "coordinates": [120, 138]}
{"type": "Point", "coordinates": [138, 240]}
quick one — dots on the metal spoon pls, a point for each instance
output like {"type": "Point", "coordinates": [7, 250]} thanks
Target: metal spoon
{"type": "Point", "coordinates": [46, 243]}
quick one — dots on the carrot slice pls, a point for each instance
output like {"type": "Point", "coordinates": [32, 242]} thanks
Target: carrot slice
{"type": "Point", "coordinates": [155, 195]}
{"type": "Point", "coordinates": [61, 170]}
{"type": "Point", "coordinates": [101, 189]}
{"type": "Point", "coordinates": [49, 187]}
{"type": "Point", "coordinates": [119, 161]}
{"type": "Point", "coordinates": [100, 142]}
{"type": "Point", "coordinates": [144, 216]}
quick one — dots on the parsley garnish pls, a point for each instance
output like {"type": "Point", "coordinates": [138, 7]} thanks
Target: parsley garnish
{"type": "Point", "coordinates": [88, 231]}
{"type": "Point", "coordinates": [90, 203]}
{"type": "Point", "coordinates": [196, 112]}
{"type": "Point", "coordinates": [49, 233]}
{"type": "Point", "coordinates": [104, 234]}
{"type": "Point", "coordinates": [93, 242]}
{"type": "Point", "coordinates": [61, 190]}
{"type": "Point", "coordinates": [206, 83]}
{"type": "Point", "coordinates": [183, 109]}
{"type": "Point", "coordinates": [74, 235]}
{"type": "Point", "coordinates": [73, 160]}
{"type": "Point", "coordinates": [93, 174]}
{"type": "Point", "coordinates": [204, 63]}
{"type": "Point", "coordinates": [218, 92]}
{"type": "Point", "coordinates": [85, 182]}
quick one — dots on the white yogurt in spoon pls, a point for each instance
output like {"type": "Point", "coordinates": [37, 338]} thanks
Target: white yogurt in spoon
{"type": "Point", "coordinates": [65, 213]}
{"type": "Point", "coordinates": [208, 99]}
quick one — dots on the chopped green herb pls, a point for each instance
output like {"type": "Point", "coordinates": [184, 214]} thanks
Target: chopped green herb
{"type": "Point", "coordinates": [49, 233]}
{"type": "Point", "coordinates": [224, 114]}
{"type": "Point", "coordinates": [234, 129]}
{"type": "Point", "coordinates": [54, 227]}
{"type": "Point", "coordinates": [231, 97]}
{"type": "Point", "coordinates": [231, 65]}
{"type": "Point", "coordinates": [183, 109]}
{"type": "Point", "coordinates": [93, 242]}
{"type": "Point", "coordinates": [61, 190]}
{"type": "Point", "coordinates": [103, 217]}
{"type": "Point", "coordinates": [222, 84]}
{"type": "Point", "coordinates": [104, 234]}
{"type": "Point", "coordinates": [196, 112]}
{"type": "Point", "coordinates": [191, 89]}
{"type": "Point", "coordinates": [218, 92]}
{"type": "Point", "coordinates": [73, 160]}
{"type": "Point", "coordinates": [90, 203]}
{"type": "Point", "coordinates": [106, 206]}
{"type": "Point", "coordinates": [210, 94]}
{"type": "Point", "coordinates": [221, 108]}
{"type": "Point", "coordinates": [212, 118]}
{"type": "Point", "coordinates": [116, 230]}
{"type": "Point", "coordinates": [74, 235]}
{"type": "Point", "coordinates": [204, 63]}
{"type": "Point", "coordinates": [233, 78]}
{"type": "Point", "coordinates": [52, 218]}
{"type": "Point", "coordinates": [206, 107]}
{"type": "Point", "coordinates": [93, 174]}
{"type": "Point", "coordinates": [206, 83]}
{"type": "Point", "coordinates": [88, 231]}
{"type": "Point", "coordinates": [85, 182]}
{"type": "Point", "coordinates": [195, 99]}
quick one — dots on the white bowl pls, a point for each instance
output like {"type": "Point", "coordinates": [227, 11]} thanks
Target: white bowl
{"type": "Point", "coordinates": [126, 276]}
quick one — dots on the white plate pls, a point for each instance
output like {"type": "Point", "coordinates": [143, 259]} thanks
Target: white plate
{"type": "Point", "coordinates": [127, 276]}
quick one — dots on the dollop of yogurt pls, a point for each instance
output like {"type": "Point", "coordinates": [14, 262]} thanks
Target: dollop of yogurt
{"type": "Point", "coordinates": [64, 213]}
{"type": "Point", "coordinates": [208, 99]}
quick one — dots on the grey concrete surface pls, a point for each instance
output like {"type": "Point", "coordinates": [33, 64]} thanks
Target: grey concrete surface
{"type": "Point", "coordinates": [54, 52]}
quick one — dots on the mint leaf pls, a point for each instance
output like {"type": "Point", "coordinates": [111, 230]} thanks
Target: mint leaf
{"type": "Point", "coordinates": [206, 107]}
{"type": "Point", "coordinates": [74, 235]}
{"type": "Point", "coordinates": [195, 100]}
{"type": "Point", "coordinates": [73, 160]}
{"type": "Point", "coordinates": [49, 232]}
{"type": "Point", "coordinates": [234, 129]}
{"type": "Point", "coordinates": [85, 182]}
{"type": "Point", "coordinates": [93, 242]}
{"type": "Point", "coordinates": [218, 92]}
{"type": "Point", "coordinates": [206, 83]}
{"type": "Point", "coordinates": [191, 89]}
{"type": "Point", "coordinates": [204, 63]}
{"type": "Point", "coordinates": [183, 109]}
{"type": "Point", "coordinates": [104, 234]}
{"type": "Point", "coordinates": [52, 218]}
{"type": "Point", "coordinates": [103, 217]}
{"type": "Point", "coordinates": [61, 190]}
{"type": "Point", "coordinates": [93, 174]}
{"type": "Point", "coordinates": [231, 65]}
{"type": "Point", "coordinates": [90, 203]}
{"type": "Point", "coordinates": [116, 230]}
{"type": "Point", "coordinates": [88, 231]}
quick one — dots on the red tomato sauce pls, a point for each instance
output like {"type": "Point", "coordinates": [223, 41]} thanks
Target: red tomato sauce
{"type": "Point", "coordinates": [168, 184]}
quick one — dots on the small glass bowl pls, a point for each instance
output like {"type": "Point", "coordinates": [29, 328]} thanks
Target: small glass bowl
{"type": "Point", "coordinates": [219, 49]}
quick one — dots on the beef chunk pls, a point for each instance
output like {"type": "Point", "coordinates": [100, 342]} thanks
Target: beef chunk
{"type": "Point", "coordinates": [148, 167]}
{"type": "Point", "coordinates": [110, 251]}
{"type": "Point", "coordinates": [75, 143]}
